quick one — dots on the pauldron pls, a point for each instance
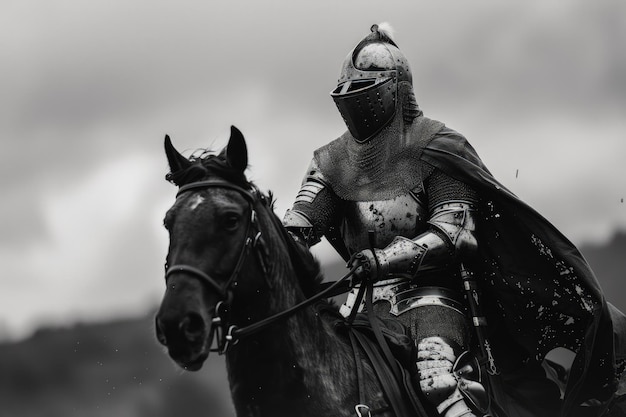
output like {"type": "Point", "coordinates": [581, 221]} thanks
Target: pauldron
{"type": "Point", "coordinates": [313, 183]}
{"type": "Point", "coordinates": [312, 210]}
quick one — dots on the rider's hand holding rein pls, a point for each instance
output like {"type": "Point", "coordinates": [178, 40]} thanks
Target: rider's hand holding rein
{"type": "Point", "coordinates": [369, 265]}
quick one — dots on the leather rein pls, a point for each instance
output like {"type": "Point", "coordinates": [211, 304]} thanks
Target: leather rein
{"type": "Point", "coordinates": [230, 336]}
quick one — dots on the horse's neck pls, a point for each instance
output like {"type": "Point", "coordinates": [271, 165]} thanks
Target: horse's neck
{"type": "Point", "coordinates": [300, 359]}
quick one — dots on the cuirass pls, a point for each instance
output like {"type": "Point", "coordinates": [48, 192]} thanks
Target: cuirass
{"type": "Point", "coordinates": [404, 215]}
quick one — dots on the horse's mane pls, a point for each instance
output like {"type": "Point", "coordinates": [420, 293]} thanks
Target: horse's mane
{"type": "Point", "coordinates": [305, 265]}
{"type": "Point", "coordinates": [206, 164]}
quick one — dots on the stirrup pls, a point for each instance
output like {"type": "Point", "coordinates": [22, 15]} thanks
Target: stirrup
{"type": "Point", "coordinates": [362, 410]}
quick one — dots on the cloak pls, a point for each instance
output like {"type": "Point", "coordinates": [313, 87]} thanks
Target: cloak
{"type": "Point", "coordinates": [536, 280]}
{"type": "Point", "coordinates": [536, 284]}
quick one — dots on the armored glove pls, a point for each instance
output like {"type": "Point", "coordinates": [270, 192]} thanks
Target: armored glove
{"type": "Point", "coordinates": [370, 265]}
{"type": "Point", "coordinates": [450, 236]}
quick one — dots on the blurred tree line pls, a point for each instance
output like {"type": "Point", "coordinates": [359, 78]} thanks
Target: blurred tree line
{"type": "Point", "coordinates": [110, 369]}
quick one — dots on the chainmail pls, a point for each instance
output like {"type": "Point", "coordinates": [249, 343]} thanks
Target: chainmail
{"type": "Point", "coordinates": [434, 320]}
{"type": "Point", "coordinates": [440, 188]}
{"type": "Point", "coordinates": [322, 211]}
{"type": "Point", "coordinates": [382, 167]}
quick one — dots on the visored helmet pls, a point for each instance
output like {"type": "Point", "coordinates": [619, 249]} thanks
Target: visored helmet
{"type": "Point", "coordinates": [367, 89]}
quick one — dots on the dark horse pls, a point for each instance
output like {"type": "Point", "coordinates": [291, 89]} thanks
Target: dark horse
{"type": "Point", "coordinates": [231, 266]}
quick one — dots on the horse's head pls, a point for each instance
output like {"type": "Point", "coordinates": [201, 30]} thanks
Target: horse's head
{"type": "Point", "coordinates": [211, 228]}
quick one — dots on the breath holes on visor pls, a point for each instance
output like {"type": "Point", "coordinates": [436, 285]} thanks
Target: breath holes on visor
{"type": "Point", "coordinates": [367, 104]}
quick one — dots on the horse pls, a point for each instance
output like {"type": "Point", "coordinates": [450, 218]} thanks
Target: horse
{"type": "Point", "coordinates": [234, 274]}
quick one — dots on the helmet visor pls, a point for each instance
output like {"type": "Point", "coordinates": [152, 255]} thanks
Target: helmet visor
{"type": "Point", "coordinates": [366, 105]}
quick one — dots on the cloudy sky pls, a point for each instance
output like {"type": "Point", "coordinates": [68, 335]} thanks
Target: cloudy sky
{"type": "Point", "coordinates": [89, 89]}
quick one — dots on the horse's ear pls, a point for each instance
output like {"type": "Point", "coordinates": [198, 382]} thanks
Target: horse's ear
{"type": "Point", "coordinates": [236, 150]}
{"type": "Point", "coordinates": [177, 161]}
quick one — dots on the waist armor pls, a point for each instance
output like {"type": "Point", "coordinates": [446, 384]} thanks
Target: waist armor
{"type": "Point", "coordinates": [425, 311]}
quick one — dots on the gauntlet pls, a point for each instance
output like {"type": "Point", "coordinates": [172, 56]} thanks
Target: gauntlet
{"type": "Point", "coordinates": [450, 237]}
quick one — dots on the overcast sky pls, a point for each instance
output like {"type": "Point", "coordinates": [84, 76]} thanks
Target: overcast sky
{"type": "Point", "coordinates": [89, 89]}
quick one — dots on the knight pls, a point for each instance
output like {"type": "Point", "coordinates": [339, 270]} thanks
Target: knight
{"type": "Point", "coordinates": [407, 201]}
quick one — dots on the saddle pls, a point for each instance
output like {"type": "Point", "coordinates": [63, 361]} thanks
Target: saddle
{"type": "Point", "coordinates": [392, 359]}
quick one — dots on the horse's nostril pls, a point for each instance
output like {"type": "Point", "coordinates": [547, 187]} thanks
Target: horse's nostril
{"type": "Point", "coordinates": [192, 326]}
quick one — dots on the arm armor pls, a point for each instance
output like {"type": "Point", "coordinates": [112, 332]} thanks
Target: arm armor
{"type": "Point", "coordinates": [314, 209]}
{"type": "Point", "coordinates": [300, 227]}
{"type": "Point", "coordinates": [450, 236]}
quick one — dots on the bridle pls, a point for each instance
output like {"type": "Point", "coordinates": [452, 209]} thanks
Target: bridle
{"type": "Point", "coordinates": [250, 242]}
{"type": "Point", "coordinates": [226, 338]}
{"type": "Point", "coordinates": [229, 337]}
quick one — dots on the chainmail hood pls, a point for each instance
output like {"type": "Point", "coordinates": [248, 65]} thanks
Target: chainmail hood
{"type": "Point", "coordinates": [382, 167]}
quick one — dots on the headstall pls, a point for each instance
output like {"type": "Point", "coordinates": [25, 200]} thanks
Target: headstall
{"type": "Point", "coordinates": [226, 338]}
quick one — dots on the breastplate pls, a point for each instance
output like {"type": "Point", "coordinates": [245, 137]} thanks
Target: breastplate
{"type": "Point", "coordinates": [404, 215]}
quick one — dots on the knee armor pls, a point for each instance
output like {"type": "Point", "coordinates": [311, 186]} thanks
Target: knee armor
{"type": "Point", "coordinates": [452, 384]}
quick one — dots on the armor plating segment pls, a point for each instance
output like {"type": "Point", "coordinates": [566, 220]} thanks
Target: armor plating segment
{"type": "Point", "coordinates": [434, 365]}
{"type": "Point", "coordinates": [308, 192]}
{"type": "Point", "coordinates": [445, 383]}
{"type": "Point", "coordinates": [300, 226]}
{"type": "Point", "coordinates": [402, 257]}
{"type": "Point", "coordinates": [313, 183]}
{"type": "Point", "coordinates": [294, 218]}
{"type": "Point", "coordinates": [455, 406]}
{"type": "Point", "coordinates": [402, 215]}
{"type": "Point", "coordinates": [383, 291]}
{"type": "Point", "coordinates": [367, 106]}
{"type": "Point", "coordinates": [406, 257]}
{"type": "Point", "coordinates": [455, 219]}
{"type": "Point", "coordinates": [416, 297]}
{"type": "Point", "coordinates": [453, 235]}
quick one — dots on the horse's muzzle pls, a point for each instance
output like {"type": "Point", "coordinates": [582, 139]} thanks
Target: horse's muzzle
{"type": "Point", "coordinates": [185, 339]}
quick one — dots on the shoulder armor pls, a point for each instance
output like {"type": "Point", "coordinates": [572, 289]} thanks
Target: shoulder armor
{"type": "Point", "coordinates": [313, 183]}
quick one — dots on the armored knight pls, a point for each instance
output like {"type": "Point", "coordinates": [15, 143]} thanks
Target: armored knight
{"type": "Point", "coordinates": [405, 198]}
{"type": "Point", "coordinates": [371, 179]}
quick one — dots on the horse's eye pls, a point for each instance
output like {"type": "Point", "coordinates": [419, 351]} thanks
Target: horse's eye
{"type": "Point", "coordinates": [231, 221]}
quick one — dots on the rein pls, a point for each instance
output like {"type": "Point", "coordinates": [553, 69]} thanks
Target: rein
{"type": "Point", "coordinates": [234, 333]}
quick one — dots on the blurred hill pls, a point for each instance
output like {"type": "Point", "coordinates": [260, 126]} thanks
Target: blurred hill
{"type": "Point", "coordinates": [110, 369]}
{"type": "Point", "coordinates": [118, 369]}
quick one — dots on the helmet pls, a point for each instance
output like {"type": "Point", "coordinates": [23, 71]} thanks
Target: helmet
{"type": "Point", "coordinates": [367, 90]}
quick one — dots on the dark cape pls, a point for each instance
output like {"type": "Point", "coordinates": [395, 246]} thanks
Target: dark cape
{"type": "Point", "coordinates": [536, 281]}
{"type": "Point", "coordinates": [538, 289]}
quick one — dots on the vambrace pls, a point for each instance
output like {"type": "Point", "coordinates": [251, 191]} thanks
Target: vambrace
{"type": "Point", "coordinates": [450, 236]}
{"type": "Point", "coordinates": [300, 227]}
